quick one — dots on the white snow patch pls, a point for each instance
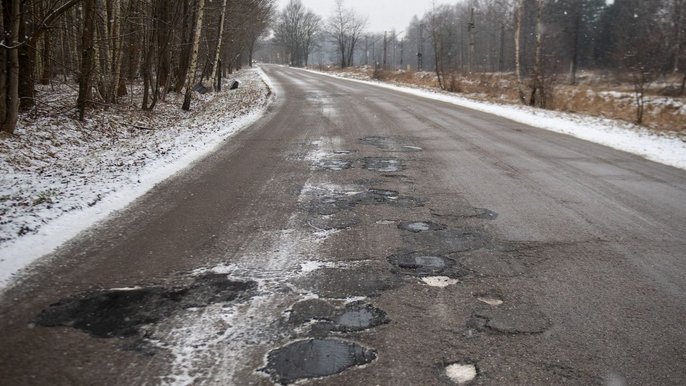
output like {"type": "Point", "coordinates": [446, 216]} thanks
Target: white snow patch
{"type": "Point", "coordinates": [49, 203]}
{"type": "Point", "coordinates": [491, 301]}
{"type": "Point", "coordinates": [439, 281]}
{"type": "Point", "coordinates": [666, 148]}
{"type": "Point", "coordinates": [461, 373]}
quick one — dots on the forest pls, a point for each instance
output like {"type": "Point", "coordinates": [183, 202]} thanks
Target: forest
{"type": "Point", "coordinates": [102, 48]}
{"type": "Point", "coordinates": [541, 42]}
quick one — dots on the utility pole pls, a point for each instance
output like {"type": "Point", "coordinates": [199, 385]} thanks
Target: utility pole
{"type": "Point", "coordinates": [402, 51]}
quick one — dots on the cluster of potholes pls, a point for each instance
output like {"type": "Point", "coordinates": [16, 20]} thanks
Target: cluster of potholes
{"type": "Point", "coordinates": [434, 253]}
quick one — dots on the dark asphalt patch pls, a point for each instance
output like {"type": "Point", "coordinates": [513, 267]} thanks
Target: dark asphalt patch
{"type": "Point", "coordinates": [525, 320]}
{"type": "Point", "coordinates": [311, 309]}
{"type": "Point", "coordinates": [121, 313]}
{"type": "Point", "coordinates": [422, 264]}
{"type": "Point", "coordinates": [315, 358]}
{"type": "Point", "coordinates": [385, 165]}
{"type": "Point", "coordinates": [344, 283]}
{"type": "Point", "coordinates": [420, 226]}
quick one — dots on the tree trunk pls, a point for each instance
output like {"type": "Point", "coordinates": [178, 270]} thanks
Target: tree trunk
{"type": "Point", "coordinates": [3, 70]}
{"type": "Point", "coordinates": [87, 56]}
{"type": "Point", "coordinates": [190, 78]}
{"type": "Point", "coordinates": [518, 49]}
{"type": "Point", "coordinates": [46, 74]}
{"type": "Point", "coordinates": [12, 111]}
{"type": "Point", "coordinates": [217, 52]}
{"type": "Point", "coordinates": [576, 43]}
{"type": "Point", "coordinates": [537, 91]}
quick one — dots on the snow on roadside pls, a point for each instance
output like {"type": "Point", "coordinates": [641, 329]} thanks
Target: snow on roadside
{"type": "Point", "coordinates": [59, 176]}
{"type": "Point", "coordinates": [665, 148]}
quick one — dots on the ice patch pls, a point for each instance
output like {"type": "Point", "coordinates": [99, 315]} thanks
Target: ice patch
{"type": "Point", "coordinates": [461, 373]}
{"type": "Point", "coordinates": [439, 281]}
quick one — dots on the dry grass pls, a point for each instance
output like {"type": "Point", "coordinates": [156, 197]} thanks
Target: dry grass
{"type": "Point", "coordinates": [597, 94]}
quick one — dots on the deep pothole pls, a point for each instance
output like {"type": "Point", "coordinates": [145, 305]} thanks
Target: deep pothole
{"type": "Point", "coordinates": [423, 264]}
{"type": "Point", "coordinates": [122, 313]}
{"type": "Point", "coordinates": [315, 358]}
{"type": "Point", "coordinates": [384, 165]}
{"type": "Point", "coordinates": [420, 226]}
{"type": "Point", "coordinates": [356, 316]}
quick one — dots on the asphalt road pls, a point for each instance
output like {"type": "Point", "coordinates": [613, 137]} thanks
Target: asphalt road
{"type": "Point", "coordinates": [312, 243]}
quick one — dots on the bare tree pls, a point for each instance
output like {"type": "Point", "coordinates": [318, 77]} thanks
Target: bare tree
{"type": "Point", "coordinates": [346, 28]}
{"type": "Point", "coordinates": [191, 78]}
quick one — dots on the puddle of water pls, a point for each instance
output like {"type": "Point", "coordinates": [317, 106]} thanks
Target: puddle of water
{"type": "Point", "coordinates": [315, 358]}
{"type": "Point", "coordinates": [439, 281]}
{"type": "Point", "coordinates": [461, 373]}
{"type": "Point", "coordinates": [420, 226]}
{"type": "Point", "coordinates": [121, 313]}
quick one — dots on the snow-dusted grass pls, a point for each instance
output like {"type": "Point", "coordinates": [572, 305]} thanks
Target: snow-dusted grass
{"type": "Point", "coordinates": [59, 176]}
{"type": "Point", "coordinates": [666, 148]}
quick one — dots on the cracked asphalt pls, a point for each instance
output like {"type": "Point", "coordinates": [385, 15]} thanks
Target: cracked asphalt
{"type": "Point", "coordinates": [386, 237]}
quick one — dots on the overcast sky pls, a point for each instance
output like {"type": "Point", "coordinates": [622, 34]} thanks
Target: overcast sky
{"type": "Point", "coordinates": [383, 15]}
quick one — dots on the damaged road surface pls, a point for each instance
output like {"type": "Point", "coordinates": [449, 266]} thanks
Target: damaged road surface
{"type": "Point", "coordinates": [357, 235]}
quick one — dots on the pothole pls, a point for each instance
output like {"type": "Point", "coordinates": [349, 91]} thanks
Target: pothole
{"type": "Point", "coordinates": [448, 241]}
{"type": "Point", "coordinates": [439, 281]}
{"type": "Point", "coordinates": [526, 320]}
{"type": "Point", "coordinates": [385, 165]}
{"type": "Point", "coordinates": [359, 316]}
{"type": "Point", "coordinates": [334, 164]}
{"type": "Point", "coordinates": [425, 264]}
{"type": "Point", "coordinates": [315, 358]}
{"type": "Point", "coordinates": [420, 226]}
{"type": "Point", "coordinates": [342, 220]}
{"type": "Point", "coordinates": [121, 313]}
{"type": "Point", "coordinates": [480, 213]}
{"type": "Point", "coordinates": [345, 283]}
{"type": "Point", "coordinates": [355, 316]}
{"type": "Point", "coordinates": [461, 373]}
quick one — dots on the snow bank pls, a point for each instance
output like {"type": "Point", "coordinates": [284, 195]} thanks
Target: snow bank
{"type": "Point", "coordinates": [58, 176]}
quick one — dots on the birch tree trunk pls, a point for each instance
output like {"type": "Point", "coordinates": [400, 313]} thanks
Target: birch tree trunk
{"type": "Point", "coordinates": [217, 52]}
{"type": "Point", "coordinates": [537, 92]}
{"type": "Point", "coordinates": [518, 49]}
{"type": "Point", "coordinates": [191, 77]}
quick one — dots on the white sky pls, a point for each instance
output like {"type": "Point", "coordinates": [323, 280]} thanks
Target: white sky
{"type": "Point", "coordinates": [383, 15]}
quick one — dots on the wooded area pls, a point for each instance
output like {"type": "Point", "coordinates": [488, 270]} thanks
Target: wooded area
{"type": "Point", "coordinates": [104, 47]}
{"type": "Point", "coordinates": [541, 41]}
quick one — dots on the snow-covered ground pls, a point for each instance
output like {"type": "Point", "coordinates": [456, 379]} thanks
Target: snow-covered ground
{"type": "Point", "coordinates": [59, 176]}
{"type": "Point", "coordinates": [665, 148]}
